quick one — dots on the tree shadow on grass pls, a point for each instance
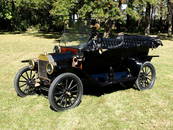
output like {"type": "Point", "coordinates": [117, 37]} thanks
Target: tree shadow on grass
{"type": "Point", "coordinates": [47, 35]}
{"type": "Point", "coordinates": [62, 39]}
{"type": "Point", "coordinates": [5, 33]}
{"type": "Point", "coordinates": [165, 37]}
{"type": "Point", "coordinates": [69, 37]}
{"type": "Point", "coordinates": [58, 37]}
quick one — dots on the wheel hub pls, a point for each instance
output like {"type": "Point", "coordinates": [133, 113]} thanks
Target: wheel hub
{"type": "Point", "coordinates": [68, 93]}
{"type": "Point", "coordinates": [30, 82]}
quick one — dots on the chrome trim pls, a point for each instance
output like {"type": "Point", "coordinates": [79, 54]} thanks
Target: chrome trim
{"type": "Point", "coordinates": [31, 64]}
{"type": "Point", "coordinates": [51, 68]}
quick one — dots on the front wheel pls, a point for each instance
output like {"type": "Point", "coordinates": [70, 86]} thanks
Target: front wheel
{"type": "Point", "coordinates": [65, 92]}
{"type": "Point", "coordinates": [24, 82]}
{"type": "Point", "coordinates": [146, 77]}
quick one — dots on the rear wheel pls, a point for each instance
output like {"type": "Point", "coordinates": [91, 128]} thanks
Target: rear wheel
{"type": "Point", "coordinates": [65, 92]}
{"type": "Point", "coordinates": [24, 82]}
{"type": "Point", "coordinates": [146, 77]}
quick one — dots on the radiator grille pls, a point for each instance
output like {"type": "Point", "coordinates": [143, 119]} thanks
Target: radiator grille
{"type": "Point", "coordinates": [42, 68]}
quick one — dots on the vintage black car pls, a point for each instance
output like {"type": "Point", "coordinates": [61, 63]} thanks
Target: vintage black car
{"type": "Point", "coordinates": [106, 61]}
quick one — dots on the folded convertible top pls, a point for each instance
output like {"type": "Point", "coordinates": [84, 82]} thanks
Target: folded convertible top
{"type": "Point", "coordinates": [130, 41]}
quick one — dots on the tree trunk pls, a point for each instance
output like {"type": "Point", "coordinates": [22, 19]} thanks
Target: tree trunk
{"type": "Point", "coordinates": [170, 16]}
{"type": "Point", "coordinates": [70, 24]}
{"type": "Point", "coordinates": [161, 17]}
{"type": "Point", "coordinates": [148, 19]}
{"type": "Point", "coordinates": [120, 3]}
{"type": "Point", "coordinates": [129, 18]}
{"type": "Point", "coordinates": [152, 17]}
{"type": "Point", "coordinates": [13, 21]}
{"type": "Point", "coordinates": [108, 28]}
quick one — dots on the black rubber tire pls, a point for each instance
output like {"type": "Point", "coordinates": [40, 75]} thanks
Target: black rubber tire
{"type": "Point", "coordinates": [19, 92]}
{"type": "Point", "coordinates": [54, 86]}
{"type": "Point", "coordinates": [153, 77]}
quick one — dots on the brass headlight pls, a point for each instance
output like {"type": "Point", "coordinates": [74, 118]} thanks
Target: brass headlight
{"type": "Point", "coordinates": [49, 68]}
{"type": "Point", "coordinates": [31, 64]}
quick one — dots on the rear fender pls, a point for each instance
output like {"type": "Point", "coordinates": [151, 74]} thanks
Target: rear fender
{"type": "Point", "coordinates": [134, 66]}
{"type": "Point", "coordinates": [147, 58]}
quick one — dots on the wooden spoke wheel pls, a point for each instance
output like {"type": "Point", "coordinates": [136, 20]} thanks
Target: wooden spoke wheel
{"type": "Point", "coordinates": [24, 82]}
{"type": "Point", "coordinates": [65, 92]}
{"type": "Point", "coordinates": [146, 77]}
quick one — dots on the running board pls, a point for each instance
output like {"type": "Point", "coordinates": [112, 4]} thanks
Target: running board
{"type": "Point", "coordinates": [103, 84]}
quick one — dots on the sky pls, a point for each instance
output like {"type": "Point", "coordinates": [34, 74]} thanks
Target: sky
{"type": "Point", "coordinates": [124, 6]}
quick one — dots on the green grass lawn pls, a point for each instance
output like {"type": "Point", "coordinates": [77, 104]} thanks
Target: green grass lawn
{"type": "Point", "coordinates": [126, 109]}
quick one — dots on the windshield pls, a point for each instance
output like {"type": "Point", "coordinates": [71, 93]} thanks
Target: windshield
{"type": "Point", "coordinates": [77, 33]}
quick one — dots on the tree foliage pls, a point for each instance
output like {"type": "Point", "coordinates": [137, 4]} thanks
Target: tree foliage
{"type": "Point", "coordinates": [48, 15]}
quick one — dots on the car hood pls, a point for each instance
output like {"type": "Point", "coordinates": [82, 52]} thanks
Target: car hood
{"type": "Point", "coordinates": [64, 56]}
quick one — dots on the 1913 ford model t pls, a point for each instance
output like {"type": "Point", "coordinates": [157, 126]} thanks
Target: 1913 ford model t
{"type": "Point", "coordinates": [107, 61]}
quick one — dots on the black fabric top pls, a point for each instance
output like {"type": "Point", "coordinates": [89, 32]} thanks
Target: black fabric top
{"type": "Point", "coordinates": [129, 41]}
